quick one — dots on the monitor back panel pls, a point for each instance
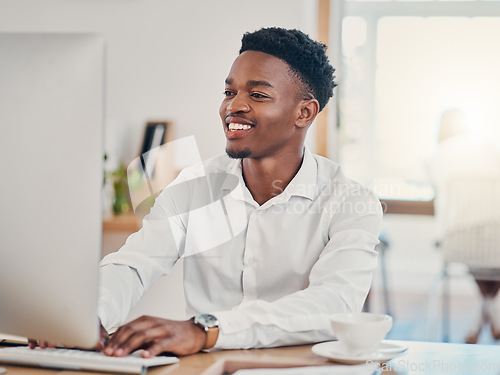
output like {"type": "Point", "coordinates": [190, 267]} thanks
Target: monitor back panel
{"type": "Point", "coordinates": [51, 117]}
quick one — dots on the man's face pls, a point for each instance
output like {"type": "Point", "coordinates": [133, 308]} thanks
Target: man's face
{"type": "Point", "coordinates": [260, 107]}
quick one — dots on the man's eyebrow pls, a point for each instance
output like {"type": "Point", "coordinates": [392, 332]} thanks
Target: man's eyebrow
{"type": "Point", "coordinates": [259, 83]}
{"type": "Point", "coordinates": [251, 83]}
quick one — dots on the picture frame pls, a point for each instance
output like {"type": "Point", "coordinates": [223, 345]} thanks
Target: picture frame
{"type": "Point", "coordinates": [155, 135]}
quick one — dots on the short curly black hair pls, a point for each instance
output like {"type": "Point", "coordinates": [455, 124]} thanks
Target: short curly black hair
{"type": "Point", "coordinates": [306, 58]}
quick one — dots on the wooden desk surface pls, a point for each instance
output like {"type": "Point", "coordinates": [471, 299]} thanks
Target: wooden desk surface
{"type": "Point", "coordinates": [421, 358]}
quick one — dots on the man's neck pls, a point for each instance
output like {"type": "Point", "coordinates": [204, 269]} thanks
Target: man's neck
{"type": "Point", "coordinates": [268, 177]}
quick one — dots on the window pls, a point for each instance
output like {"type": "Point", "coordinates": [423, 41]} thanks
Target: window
{"type": "Point", "coordinates": [402, 68]}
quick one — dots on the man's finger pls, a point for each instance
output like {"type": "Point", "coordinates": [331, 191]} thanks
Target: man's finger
{"type": "Point", "coordinates": [32, 343]}
{"type": "Point", "coordinates": [103, 339]}
{"type": "Point", "coordinates": [141, 339]}
{"type": "Point", "coordinates": [119, 344]}
{"type": "Point", "coordinates": [180, 338]}
{"type": "Point", "coordinates": [156, 337]}
{"type": "Point", "coordinates": [158, 346]}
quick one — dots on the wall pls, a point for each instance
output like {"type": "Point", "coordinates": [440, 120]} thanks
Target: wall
{"type": "Point", "coordinates": [166, 59]}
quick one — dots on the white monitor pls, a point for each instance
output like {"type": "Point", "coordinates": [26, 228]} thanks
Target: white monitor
{"type": "Point", "coordinates": [51, 148]}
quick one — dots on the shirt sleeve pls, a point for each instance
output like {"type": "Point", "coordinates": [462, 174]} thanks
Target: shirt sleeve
{"type": "Point", "coordinates": [338, 282]}
{"type": "Point", "coordinates": [146, 256]}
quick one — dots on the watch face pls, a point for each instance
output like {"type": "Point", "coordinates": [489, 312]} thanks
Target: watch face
{"type": "Point", "coordinates": [207, 320]}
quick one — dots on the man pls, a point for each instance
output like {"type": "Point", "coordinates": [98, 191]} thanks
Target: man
{"type": "Point", "coordinates": [297, 239]}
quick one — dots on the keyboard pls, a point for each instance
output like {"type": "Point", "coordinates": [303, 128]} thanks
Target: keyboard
{"type": "Point", "coordinates": [74, 359]}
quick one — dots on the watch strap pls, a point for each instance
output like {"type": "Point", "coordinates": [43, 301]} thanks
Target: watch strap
{"type": "Point", "coordinates": [210, 325]}
{"type": "Point", "coordinates": [212, 335]}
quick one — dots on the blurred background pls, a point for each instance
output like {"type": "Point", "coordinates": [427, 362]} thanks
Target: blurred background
{"type": "Point", "coordinates": [400, 66]}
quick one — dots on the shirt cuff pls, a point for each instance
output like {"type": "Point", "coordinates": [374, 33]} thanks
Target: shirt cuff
{"type": "Point", "coordinates": [233, 332]}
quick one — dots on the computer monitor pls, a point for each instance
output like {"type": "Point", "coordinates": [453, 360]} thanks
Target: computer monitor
{"type": "Point", "coordinates": [51, 148]}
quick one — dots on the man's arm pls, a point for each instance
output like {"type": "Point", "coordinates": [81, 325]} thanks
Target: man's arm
{"type": "Point", "coordinates": [338, 282]}
{"type": "Point", "coordinates": [125, 276]}
{"type": "Point", "coordinates": [130, 272]}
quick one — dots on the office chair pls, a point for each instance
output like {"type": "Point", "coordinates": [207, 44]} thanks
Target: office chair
{"type": "Point", "coordinates": [471, 236]}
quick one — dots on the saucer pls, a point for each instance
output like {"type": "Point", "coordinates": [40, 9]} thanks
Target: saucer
{"type": "Point", "coordinates": [335, 351]}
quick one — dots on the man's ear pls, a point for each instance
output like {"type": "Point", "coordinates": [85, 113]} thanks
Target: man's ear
{"type": "Point", "coordinates": [308, 111]}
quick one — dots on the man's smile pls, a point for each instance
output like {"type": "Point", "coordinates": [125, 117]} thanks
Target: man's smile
{"type": "Point", "coordinates": [237, 127]}
{"type": "Point", "coordinates": [232, 126]}
{"type": "Point", "coordinates": [235, 130]}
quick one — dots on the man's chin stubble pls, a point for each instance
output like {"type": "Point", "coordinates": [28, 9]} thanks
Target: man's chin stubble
{"type": "Point", "coordinates": [239, 154]}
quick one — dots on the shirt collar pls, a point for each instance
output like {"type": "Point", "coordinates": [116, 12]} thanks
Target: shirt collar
{"type": "Point", "coordinates": [233, 169]}
{"type": "Point", "coordinates": [240, 191]}
{"type": "Point", "coordinates": [303, 184]}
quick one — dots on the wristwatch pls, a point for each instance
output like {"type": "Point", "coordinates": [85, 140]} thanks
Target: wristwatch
{"type": "Point", "coordinates": [210, 325]}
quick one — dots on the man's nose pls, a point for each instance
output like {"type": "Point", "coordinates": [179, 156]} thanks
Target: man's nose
{"type": "Point", "coordinates": [238, 104]}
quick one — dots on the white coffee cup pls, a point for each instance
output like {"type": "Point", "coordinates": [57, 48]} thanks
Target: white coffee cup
{"type": "Point", "coordinates": [361, 333]}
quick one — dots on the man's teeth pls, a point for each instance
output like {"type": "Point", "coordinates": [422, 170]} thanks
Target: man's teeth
{"type": "Point", "coordinates": [239, 126]}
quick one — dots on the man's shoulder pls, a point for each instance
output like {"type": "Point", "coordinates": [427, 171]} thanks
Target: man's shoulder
{"type": "Point", "coordinates": [195, 183]}
{"type": "Point", "coordinates": [220, 162]}
{"type": "Point", "coordinates": [331, 178]}
{"type": "Point", "coordinates": [330, 172]}
{"type": "Point", "coordinates": [215, 164]}
{"type": "Point", "coordinates": [327, 168]}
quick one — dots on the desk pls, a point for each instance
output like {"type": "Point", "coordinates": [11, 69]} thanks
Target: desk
{"type": "Point", "coordinates": [421, 358]}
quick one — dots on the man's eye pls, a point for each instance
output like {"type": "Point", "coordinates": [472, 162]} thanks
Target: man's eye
{"type": "Point", "coordinates": [258, 96]}
{"type": "Point", "coordinates": [228, 93]}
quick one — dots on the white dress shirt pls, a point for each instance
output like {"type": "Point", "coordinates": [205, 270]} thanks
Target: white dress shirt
{"type": "Point", "coordinates": [272, 273]}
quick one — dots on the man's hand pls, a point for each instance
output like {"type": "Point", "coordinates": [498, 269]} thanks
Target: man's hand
{"type": "Point", "coordinates": [32, 343]}
{"type": "Point", "coordinates": [156, 335]}
{"type": "Point", "coordinates": [103, 339]}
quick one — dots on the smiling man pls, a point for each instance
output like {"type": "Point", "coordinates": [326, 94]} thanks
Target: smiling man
{"type": "Point", "coordinates": [266, 113]}
{"type": "Point", "coordinates": [283, 240]}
